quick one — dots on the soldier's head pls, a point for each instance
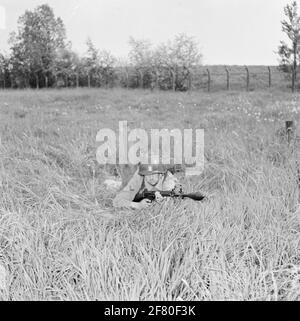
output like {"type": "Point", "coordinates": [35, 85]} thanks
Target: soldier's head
{"type": "Point", "coordinates": [153, 173]}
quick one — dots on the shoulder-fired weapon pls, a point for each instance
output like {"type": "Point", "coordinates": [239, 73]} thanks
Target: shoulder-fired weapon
{"type": "Point", "coordinates": [150, 195]}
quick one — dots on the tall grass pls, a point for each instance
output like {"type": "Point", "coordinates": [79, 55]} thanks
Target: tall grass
{"type": "Point", "coordinates": [60, 238]}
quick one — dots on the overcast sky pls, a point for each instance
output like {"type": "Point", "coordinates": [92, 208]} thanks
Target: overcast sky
{"type": "Point", "coordinates": [228, 31]}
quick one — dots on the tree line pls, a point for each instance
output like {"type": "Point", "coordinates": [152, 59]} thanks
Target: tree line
{"type": "Point", "coordinates": [41, 56]}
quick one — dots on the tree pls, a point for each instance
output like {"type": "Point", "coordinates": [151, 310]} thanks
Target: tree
{"type": "Point", "coordinates": [169, 65]}
{"type": "Point", "coordinates": [66, 66]}
{"type": "Point", "coordinates": [3, 69]}
{"type": "Point", "coordinates": [106, 63]}
{"type": "Point", "coordinates": [141, 57]}
{"type": "Point", "coordinates": [91, 61]}
{"type": "Point", "coordinates": [100, 64]}
{"type": "Point", "coordinates": [289, 53]}
{"type": "Point", "coordinates": [179, 57]}
{"type": "Point", "coordinates": [35, 45]}
{"type": "Point", "coordinates": [122, 71]}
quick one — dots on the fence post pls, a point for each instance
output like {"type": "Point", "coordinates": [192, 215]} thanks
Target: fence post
{"type": "Point", "coordinates": [141, 79]}
{"type": "Point", "coordinates": [173, 80]}
{"type": "Point", "coordinates": [228, 78]}
{"type": "Point", "coordinates": [89, 80]}
{"type": "Point", "coordinates": [209, 79]}
{"type": "Point", "coordinates": [55, 79]}
{"type": "Point", "coordinates": [248, 78]}
{"type": "Point", "coordinates": [127, 78]}
{"type": "Point", "coordinates": [270, 77]}
{"type": "Point", "coordinates": [67, 81]}
{"type": "Point", "coordinates": [77, 80]}
{"type": "Point", "coordinates": [293, 78]}
{"type": "Point", "coordinates": [190, 79]}
{"type": "Point", "coordinates": [290, 128]}
{"type": "Point", "coordinates": [37, 85]}
{"type": "Point", "coordinates": [156, 78]}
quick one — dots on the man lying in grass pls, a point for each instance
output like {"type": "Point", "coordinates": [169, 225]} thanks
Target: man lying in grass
{"type": "Point", "coordinates": [153, 177]}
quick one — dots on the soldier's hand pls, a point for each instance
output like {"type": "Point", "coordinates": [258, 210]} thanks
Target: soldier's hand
{"type": "Point", "coordinates": [158, 197]}
{"type": "Point", "coordinates": [178, 188]}
{"type": "Point", "coordinates": [144, 204]}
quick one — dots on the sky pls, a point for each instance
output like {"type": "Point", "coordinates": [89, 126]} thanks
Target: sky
{"type": "Point", "coordinates": [229, 32]}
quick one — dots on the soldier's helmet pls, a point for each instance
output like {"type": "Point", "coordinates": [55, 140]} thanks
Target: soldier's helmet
{"type": "Point", "coordinates": [151, 169]}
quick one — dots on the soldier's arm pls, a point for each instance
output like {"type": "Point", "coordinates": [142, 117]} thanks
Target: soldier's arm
{"type": "Point", "coordinates": [124, 199]}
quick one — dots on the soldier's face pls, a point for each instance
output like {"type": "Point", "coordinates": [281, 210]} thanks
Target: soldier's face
{"type": "Point", "coordinates": [153, 179]}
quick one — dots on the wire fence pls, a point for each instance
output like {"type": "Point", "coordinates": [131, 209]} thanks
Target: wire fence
{"type": "Point", "coordinates": [249, 78]}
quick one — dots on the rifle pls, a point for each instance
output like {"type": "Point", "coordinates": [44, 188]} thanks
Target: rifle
{"type": "Point", "coordinates": [150, 195]}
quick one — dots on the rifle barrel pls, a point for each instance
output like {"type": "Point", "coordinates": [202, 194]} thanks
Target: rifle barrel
{"type": "Point", "coordinates": [193, 196]}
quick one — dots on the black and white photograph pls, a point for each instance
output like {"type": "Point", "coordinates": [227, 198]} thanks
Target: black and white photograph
{"type": "Point", "coordinates": [149, 152]}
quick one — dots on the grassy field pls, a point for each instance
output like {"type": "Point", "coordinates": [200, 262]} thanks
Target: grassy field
{"type": "Point", "coordinates": [60, 238]}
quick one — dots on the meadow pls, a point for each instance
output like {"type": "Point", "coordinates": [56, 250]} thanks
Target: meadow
{"type": "Point", "coordinates": [60, 238]}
